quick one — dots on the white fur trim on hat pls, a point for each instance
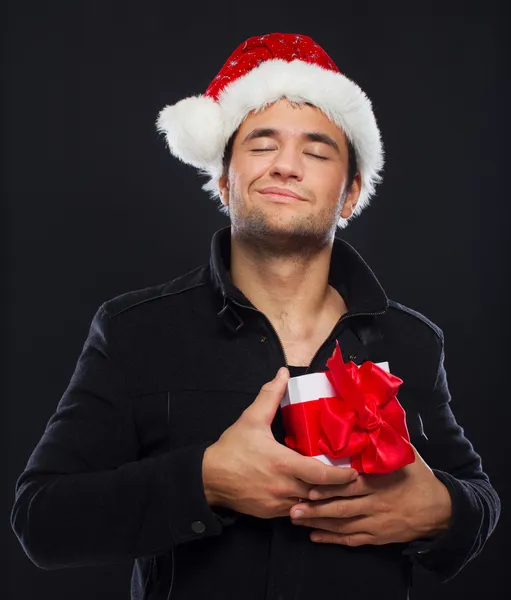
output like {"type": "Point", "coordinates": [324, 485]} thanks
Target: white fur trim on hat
{"type": "Point", "coordinates": [198, 128]}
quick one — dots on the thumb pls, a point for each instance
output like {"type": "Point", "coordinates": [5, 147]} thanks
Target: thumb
{"type": "Point", "coordinates": [265, 405]}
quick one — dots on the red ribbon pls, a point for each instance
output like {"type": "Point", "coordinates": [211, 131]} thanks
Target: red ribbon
{"type": "Point", "coordinates": [365, 421]}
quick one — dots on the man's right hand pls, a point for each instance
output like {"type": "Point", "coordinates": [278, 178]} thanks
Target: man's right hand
{"type": "Point", "coordinates": [248, 471]}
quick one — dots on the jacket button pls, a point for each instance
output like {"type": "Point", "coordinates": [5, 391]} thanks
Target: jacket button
{"type": "Point", "coordinates": [198, 527]}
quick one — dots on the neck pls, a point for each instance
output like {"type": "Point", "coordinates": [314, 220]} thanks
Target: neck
{"type": "Point", "coordinates": [291, 289]}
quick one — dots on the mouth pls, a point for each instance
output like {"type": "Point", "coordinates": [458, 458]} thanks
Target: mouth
{"type": "Point", "coordinates": [281, 195]}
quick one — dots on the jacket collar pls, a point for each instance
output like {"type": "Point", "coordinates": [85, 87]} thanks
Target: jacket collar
{"type": "Point", "coordinates": [349, 275]}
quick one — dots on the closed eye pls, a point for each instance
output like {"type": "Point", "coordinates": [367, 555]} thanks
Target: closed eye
{"type": "Point", "coordinates": [316, 156]}
{"type": "Point", "coordinates": [308, 153]}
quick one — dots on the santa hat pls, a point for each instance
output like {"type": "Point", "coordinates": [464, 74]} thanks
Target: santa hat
{"type": "Point", "coordinates": [259, 72]}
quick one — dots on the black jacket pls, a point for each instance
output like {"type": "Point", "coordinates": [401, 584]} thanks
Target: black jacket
{"type": "Point", "coordinates": [164, 371]}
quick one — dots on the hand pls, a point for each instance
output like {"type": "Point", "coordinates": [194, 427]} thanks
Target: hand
{"type": "Point", "coordinates": [402, 506]}
{"type": "Point", "coordinates": [247, 470]}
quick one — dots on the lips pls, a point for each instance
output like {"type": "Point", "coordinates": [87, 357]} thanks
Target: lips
{"type": "Point", "coordinates": [285, 193]}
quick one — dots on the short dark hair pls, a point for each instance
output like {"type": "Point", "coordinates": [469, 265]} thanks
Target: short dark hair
{"type": "Point", "coordinates": [352, 159]}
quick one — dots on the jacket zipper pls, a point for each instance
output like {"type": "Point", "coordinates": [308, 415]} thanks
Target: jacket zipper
{"type": "Point", "coordinates": [327, 341]}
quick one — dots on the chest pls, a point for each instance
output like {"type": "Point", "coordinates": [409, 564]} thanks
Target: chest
{"type": "Point", "coordinates": [301, 353]}
{"type": "Point", "coordinates": [188, 389]}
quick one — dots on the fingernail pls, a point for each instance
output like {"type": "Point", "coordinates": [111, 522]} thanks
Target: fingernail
{"type": "Point", "coordinates": [282, 373]}
{"type": "Point", "coordinates": [314, 495]}
{"type": "Point", "coordinates": [354, 476]}
{"type": "Point", "coordinates": [297, 514]}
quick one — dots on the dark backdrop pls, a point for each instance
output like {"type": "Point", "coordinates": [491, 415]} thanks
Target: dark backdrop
{"type": "Point", "coordinates": [95, 206]}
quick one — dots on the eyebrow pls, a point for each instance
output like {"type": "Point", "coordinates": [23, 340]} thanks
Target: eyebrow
{"type": "Point", "coordinates": [311, 136]}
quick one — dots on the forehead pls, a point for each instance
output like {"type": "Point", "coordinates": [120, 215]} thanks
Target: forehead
{"type": "Point", "coordinates": [292, 119]}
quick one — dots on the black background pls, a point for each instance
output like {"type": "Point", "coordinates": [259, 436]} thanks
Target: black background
{"type": "Point", "coordinates": [95, 206]}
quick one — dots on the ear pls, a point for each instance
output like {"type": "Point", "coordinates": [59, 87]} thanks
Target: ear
{"type": "Point", "coordinates": [223, 190]}
{"type": "Point", "coordinates": [352, 197]}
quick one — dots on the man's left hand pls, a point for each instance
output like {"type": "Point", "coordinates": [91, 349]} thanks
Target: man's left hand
{"type": "Point", "coordinates": [408, 504]}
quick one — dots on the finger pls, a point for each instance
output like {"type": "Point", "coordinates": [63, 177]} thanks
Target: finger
{"type": "Point", "coordinates": [344, 526]}
{"type": "Point", "coordinates": [352, 539]}
{"type": "Point", "coordinates": [359, 487]}
{"type": "Point", "coordinates": [293, 490]}
{"type": "Point", "coordinates": [299, 489]}
{"type": "Point", "coordinates": [268, 400]}
{"type": "Point", "coordinates": [313, 471]}
{"type": "Point", "coordinates": [286, 505]}
{"type": "Point", "coordinates": [334, 508]}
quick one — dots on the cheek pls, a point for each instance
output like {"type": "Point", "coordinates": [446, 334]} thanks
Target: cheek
{"type": "Point", "coordinates": [246, 171]}
{"type": "Point", "coordinates": [329, 185]}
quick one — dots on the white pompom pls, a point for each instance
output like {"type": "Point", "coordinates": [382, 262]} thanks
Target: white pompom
{"type": "Point", "coordinates": [194, 130]}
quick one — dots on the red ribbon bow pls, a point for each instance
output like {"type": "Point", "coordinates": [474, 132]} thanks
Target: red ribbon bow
{"type": "Point", "coordinates": [365, 421]}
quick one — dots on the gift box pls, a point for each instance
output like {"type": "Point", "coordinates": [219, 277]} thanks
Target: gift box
{"type": "Point", "coordinates": [348, 415]}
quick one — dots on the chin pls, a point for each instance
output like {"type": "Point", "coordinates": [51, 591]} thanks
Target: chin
{"type": "Point", "coordinates": [281, 220]}
{"type": "Point", "coordinates": [265, 224]}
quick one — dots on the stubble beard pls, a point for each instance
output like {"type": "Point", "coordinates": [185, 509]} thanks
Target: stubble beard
{"type": "Point", "coordinates": [299, 237]}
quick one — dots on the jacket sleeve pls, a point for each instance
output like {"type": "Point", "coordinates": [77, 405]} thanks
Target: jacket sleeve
{"type": "Point", "coordinates": [85, 497]}
{"type": "Point", "coordinates": [475, 504]}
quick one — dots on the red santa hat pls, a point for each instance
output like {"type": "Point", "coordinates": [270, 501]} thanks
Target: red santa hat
{"type": "Point", "coordinates": [259, 72]}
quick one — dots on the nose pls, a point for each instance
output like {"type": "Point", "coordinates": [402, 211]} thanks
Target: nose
{"type": "Point", "coordinates": [287, 164]}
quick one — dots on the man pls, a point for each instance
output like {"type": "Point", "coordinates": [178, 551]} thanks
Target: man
{"type": "Point", "coordinates": [167, 447]}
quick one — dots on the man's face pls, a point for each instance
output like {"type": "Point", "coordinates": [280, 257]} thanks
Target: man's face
{"type": "Point", "coordinates": [288, 174]}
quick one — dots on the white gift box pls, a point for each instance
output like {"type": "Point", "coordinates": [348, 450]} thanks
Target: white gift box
{"type": "Point", "coordinates": [306, 388]}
